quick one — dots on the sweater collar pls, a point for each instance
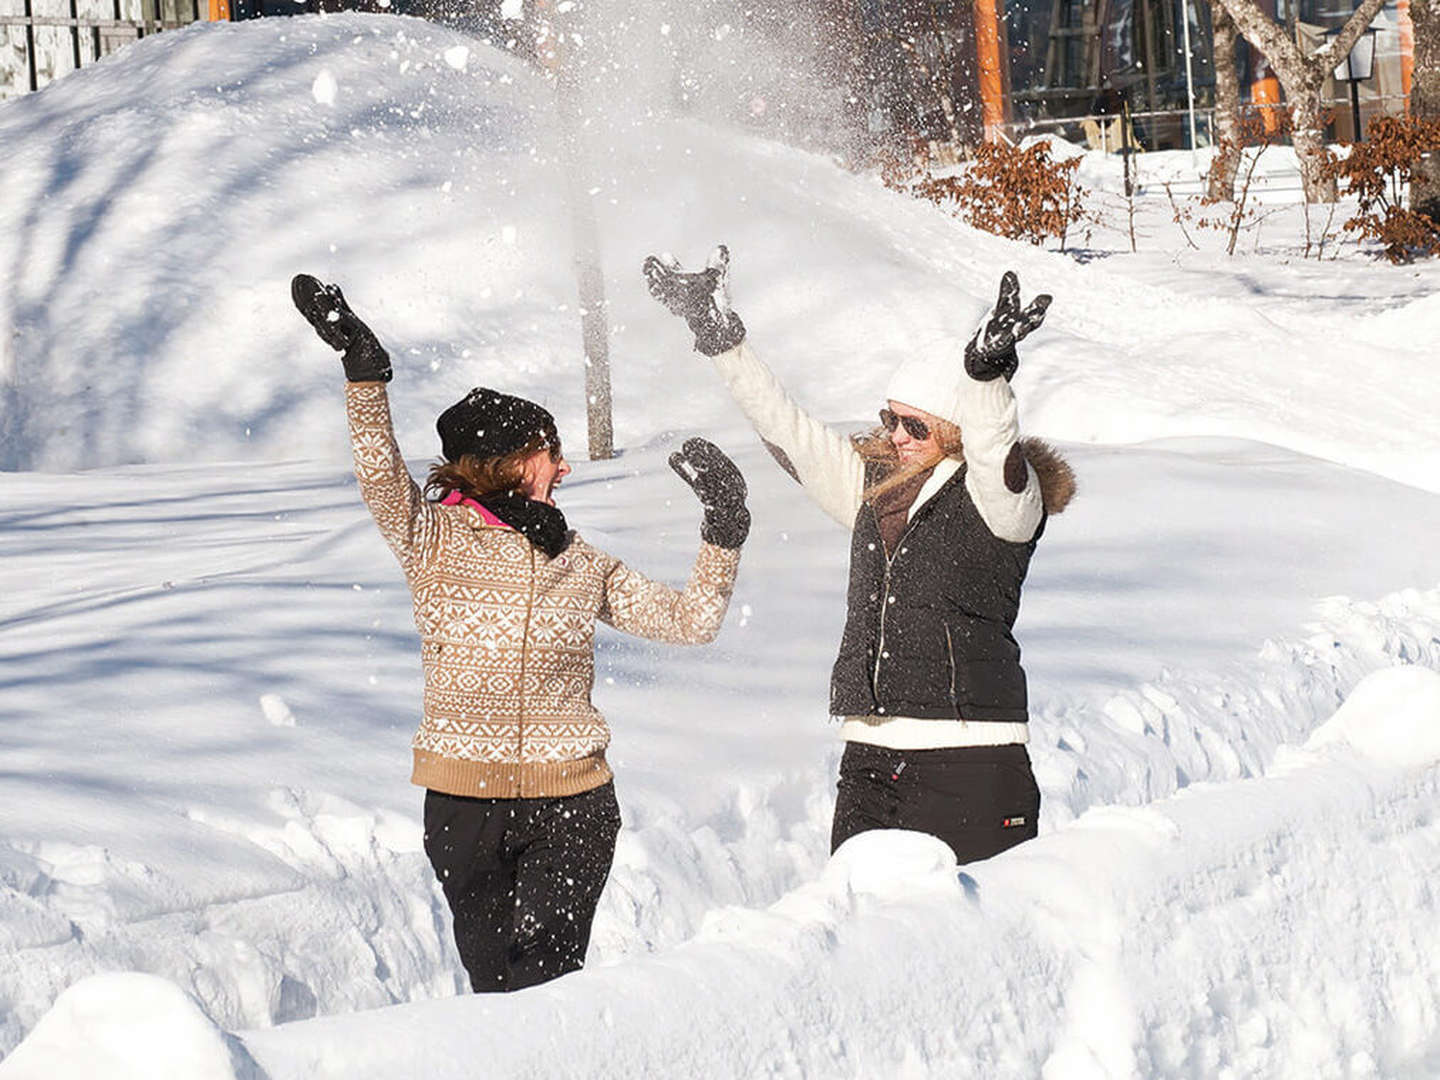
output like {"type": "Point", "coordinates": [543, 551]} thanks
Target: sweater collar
{"type": "Point", "coordinates": [938, 478]}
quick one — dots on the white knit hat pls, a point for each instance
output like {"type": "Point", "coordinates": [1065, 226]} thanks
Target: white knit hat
{"type": "Point", "coordinates": [931, 378]}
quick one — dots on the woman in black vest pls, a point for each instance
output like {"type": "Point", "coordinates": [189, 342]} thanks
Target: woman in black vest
{"type": "Point", "coordinates": [928, 684]}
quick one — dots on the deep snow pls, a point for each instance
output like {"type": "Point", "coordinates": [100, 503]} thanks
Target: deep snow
{"type": "Point", "coordinates": [209, 664]}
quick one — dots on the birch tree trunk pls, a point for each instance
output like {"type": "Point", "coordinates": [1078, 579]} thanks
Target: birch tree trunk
{"type": "Point", "coordinates": [573, 67]}
{"type": "Point", "coordinates": [1425, 100]}
{"type": "Point", "coordinates": [1302, 78]}
{"type": "Point", "coordinates": [1226, 132]}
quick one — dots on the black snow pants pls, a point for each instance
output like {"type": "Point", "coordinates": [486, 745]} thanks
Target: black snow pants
{"type": "Point", "coordinates": [523, 878]}
{"type": "Point", "coordinates": [978, 799]}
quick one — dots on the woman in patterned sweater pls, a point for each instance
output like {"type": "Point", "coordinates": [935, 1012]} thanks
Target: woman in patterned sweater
{"type": "Point", "coordinates": [520, 810]}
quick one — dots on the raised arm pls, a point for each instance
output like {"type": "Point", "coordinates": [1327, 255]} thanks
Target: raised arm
{"type": "Point", "coordinates": [407, 522]}
{"type": "Point", "coordinates": [692, 616]}
{"type": "Point", "coordinates": [823, 460]}
{"type": "Point", "coordinates": [1001, 482]}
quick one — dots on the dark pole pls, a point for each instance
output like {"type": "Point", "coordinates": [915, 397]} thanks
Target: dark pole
{"type": "Point", "coordinates": [75, 33]}
{"type": "Point", "coordinates": [1355, 103]}
{"type": "Point", "coordinates": [30, 46]}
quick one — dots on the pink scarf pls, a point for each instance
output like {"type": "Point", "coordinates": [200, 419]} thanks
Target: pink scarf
{"type": "Point", "coordinates": [456, 499]}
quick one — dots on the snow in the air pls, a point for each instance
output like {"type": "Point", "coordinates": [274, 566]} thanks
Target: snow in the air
{"type": "Point", "coordinates": [210, 859]}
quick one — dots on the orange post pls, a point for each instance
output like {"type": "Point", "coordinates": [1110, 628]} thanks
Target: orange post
{"type": "Point", "coordinates": [1265, 96]}
{"type": "Point", "coordinates": [1407, 50]}
{"type": "Point", "coordinates": [219, 10]}
{"type": "Point", "coordinates": [987, 55]}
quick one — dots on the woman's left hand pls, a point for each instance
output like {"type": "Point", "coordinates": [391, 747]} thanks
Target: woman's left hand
{"type": "Point", "coordinates": [720, 488]}
{"type": "Point", "coordinates": [991, 352]}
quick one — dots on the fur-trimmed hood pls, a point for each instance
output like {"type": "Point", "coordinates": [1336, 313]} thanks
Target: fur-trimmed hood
{"type": "Point", "coordinates": [1057, 478]}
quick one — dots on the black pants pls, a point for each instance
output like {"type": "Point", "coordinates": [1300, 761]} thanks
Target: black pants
{"type": "Point", "coordinates": [978, 799]}
{"type": "Point", "coordinates": [523, 878]}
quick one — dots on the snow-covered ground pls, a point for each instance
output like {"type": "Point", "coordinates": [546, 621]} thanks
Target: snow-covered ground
{"type": "Point", "coordinates": [208, 670]}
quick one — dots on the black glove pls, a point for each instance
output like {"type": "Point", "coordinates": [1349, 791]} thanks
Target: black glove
{"type": "Point", "coordinates": [324, 307]}
{"type": "Point", "coordinates": [991, 351]}
{"type": "Point", "coordinates": [702, 299]}
{"type": "Point", "coordinates": [721, 489]}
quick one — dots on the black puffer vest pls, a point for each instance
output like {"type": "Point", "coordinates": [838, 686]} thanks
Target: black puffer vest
{"type": "Point", "coordinates": [927, 630]}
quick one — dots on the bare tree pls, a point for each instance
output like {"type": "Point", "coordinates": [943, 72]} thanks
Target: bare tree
{"type": "Point", "coordinates": [1303, 77]}
{"type": "Point", "coordinates": [1226, 133]}
{"type": "Point", "coordinates": [557, 33]}
{"type": "Point", "coordinates": [1425, 99]}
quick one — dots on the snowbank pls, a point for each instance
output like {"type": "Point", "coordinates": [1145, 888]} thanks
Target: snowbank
{"type": "Point", "coordinates": [1199, 935]}
{"type": "Point", "coordinates": [127, 1027]}
{"type": "Point", "coordinates": [1392, 717]}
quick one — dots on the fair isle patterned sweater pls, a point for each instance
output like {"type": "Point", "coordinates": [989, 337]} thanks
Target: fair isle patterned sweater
{"type": "Point", "coordinates": [507, 634]}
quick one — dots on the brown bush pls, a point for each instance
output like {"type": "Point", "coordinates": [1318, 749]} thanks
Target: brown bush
{"type": "Point", "coordinates": [1015, 193]}
{"type": "Point", "coordinates": [1378, 172]}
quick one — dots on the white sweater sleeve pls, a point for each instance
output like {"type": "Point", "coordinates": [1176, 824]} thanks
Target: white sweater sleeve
{"type": "Point", "coordinates": [1000, 481]}
{"type": "Point", "coordinates": [824, 461]}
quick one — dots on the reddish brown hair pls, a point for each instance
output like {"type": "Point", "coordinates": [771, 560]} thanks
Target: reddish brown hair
{"type": "Point", "coordinates": [475, 477]}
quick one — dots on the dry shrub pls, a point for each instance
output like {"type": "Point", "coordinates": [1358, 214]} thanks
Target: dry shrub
{"type": "Point", "coordinates": [1237, 213]}
{"type": "Point", "coordinates": [1019, 194]}
{"type": "Point", "coordinates": [1379, 172]}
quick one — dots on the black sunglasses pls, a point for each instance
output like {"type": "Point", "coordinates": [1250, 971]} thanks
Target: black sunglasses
{"type": "Point", "coordinates": [916, 428]}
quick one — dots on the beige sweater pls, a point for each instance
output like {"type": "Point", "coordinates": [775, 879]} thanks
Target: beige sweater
{"type": "Point", "coordinates": [507, 635]}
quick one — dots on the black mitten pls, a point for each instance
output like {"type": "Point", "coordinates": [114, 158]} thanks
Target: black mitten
{"type": "Point", "coordinates": [720, 488]}
{"type": "Point", "coordinates": [991, 352]}
{"type": "Point", "coordinates": [324, 307]}
{"type": "Point", "coordinates": [702, 299]}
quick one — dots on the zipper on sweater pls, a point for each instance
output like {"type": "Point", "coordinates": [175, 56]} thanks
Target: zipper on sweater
{"type": "Point", "coordinates": [524, 653]}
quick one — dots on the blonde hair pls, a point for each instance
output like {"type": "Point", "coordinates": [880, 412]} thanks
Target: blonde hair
{"type": "Point", "coordinates": [883, 460]}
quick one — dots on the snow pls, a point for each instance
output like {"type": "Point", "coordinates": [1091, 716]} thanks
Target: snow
{"type": "Point", "coordinates": [128, 1026]}
{"type": "Point", "coordinates": [1392, 717]}
{"type": "Point", "coordinates": [210, 859]}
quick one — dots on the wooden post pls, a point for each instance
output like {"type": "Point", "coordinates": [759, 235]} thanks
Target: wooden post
{"type": "Point", "coordinates": [589, 277]}
{"type": "Point", "coordinates": [990, 75]}
{"type": "Point", "coordinates": [1407, 49]}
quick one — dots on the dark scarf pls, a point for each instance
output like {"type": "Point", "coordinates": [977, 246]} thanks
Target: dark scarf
{"type": "Point", "coordinates": [540, 523]}
{"type": "Point", "coordinates": [893, 507]}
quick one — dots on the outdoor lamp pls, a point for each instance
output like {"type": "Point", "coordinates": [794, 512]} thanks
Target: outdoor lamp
{"type": "Point", "coordinates": [1357, 67]}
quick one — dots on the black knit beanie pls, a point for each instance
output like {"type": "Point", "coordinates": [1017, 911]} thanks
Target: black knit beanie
{"type": "Point", "coordinates": [489, 424]}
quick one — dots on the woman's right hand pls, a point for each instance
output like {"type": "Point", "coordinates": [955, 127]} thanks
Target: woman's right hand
{"type": "Point", "coordinates": [721, 490]}
{"type": "Point", "coordinates": [702, 299]}
{"type": "Point", "coordinates": [324, 308]}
